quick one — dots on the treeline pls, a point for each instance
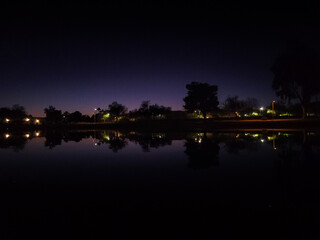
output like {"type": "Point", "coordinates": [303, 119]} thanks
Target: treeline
{"type": "Point", "coordinates": [295, 82]}
{"type": "Point", "coordinates": [113, 113]}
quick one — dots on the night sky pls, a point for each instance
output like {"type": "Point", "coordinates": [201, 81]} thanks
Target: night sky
{"type": "Point", "coordinates": [79, 60]}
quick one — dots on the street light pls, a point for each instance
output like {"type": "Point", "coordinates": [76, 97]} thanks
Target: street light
{"type": "Point", "coordinates": [7, 120]}
{"type": "Point", "coordinates": [261, 109]}
{"type": "Point", "coordinates": [273, 108]}
{"type": "Point", "coordinates": [94, 113]}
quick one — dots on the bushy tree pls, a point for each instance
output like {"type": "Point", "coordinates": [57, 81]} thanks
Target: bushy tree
{"type": "Point", "coordinates": [152, 111]}
{"type": "Point", "coordinates": [201, 97]}
{"type": "Point", "coordinates": [16, 113]}
{"type": "Point", "coordinates": [296, 75]}
{"type": "Point", "coordinates": [117, 109]}
{"type": "Point", "coordinates": [53, 115]}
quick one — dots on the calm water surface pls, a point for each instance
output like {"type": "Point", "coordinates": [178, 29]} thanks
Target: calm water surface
{"type": "Point", "coordinates": [111, 184]}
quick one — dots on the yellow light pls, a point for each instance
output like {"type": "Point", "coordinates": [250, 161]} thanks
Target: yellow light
{"type": "Point", "coordinates": [27, 135]}
{"type": "Point", "coordinates": [27, 119]}
{"type": "Point", "coordinates": [37, 134]}
{"type": "Point", "coordinates": [7, 120]}
{"type": "Point", "coordinates": [37, 121]}
{"type": "Point", "coordinates": [7, 135]}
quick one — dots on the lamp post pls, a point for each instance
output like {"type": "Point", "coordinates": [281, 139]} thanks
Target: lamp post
{"type": "Point", "coordinates": [273, 108]}
{"type": "Point", "coordinates": [94, 113]}
{"type": "Point", "coordinates": [261, 109]}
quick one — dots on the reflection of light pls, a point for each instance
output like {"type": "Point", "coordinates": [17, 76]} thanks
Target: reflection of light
{"type": "Point", "coordinates": [262, 140]}
{"type": "Point", "coordinates": [200, 140]}
{"type": "Point", "coordinates": [7, 135]}
{"type": "Point", "coordinates": [7, 120]}
{"type": "Point", "coordinates": [37, 134]}
{"type": "Point", "coordinates": [96, 144]}
{"type": "Point", "coordinates": [27, 135]}
{"type": "Point", "coordinates": [237, 136]}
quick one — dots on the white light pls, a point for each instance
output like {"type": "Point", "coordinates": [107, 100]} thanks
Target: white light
{"type": "Point", "coordinates": [7, 120]}
{"type": "Point", "coordinates": [262, 140]}
{"type": "Point", "coordinates": [27, 135]}
{"type": "Point", "coordinates": [261, 109]}
{"type": "Point", "coordinates": [37, 134]}
{"type": "Point", "coordinates": [37, 121]}
{"type": "Point", "coordinates": [7, 135]}
{"type": "Point", "coordinates": [27, 119]}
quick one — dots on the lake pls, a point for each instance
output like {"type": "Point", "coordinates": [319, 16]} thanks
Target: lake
{"type": "Point", "coordinates": [250, 184]}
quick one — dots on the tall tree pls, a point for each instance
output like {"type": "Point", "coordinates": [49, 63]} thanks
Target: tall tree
{"type": "Point", "coordinates": [296, 75]}
{"type": "Point", "coordinates": [53, 115]}
{"type": "Point", "coordinates": [233, 104]}
{"type": "Point", "coordinates": [117, 109]}
{"type": "Point", "coordinates": [202, 97]}
{"type": "Point", "coordinates": [152, 111]}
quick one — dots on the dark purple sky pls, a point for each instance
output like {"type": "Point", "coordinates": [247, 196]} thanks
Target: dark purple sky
{"type": "Point", "coordinates": [134, 53]}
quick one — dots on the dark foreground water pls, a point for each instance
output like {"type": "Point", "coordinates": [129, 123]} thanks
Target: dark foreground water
{"type": "Point", "coordinates": [121, 185]}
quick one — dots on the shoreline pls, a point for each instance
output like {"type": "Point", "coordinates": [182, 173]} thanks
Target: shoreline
{"type": "Point", "coordinates": [181, 125]}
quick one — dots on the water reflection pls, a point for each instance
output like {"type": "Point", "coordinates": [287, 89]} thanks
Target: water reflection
{"type": "Point", "coordinates": [197, 144]}
{"type": "Point", "coordinates": [202, 150]}
{"type": "Point", "coordinates": [17, 140]}
{"type": "Point", "coordinates": [253, 182]}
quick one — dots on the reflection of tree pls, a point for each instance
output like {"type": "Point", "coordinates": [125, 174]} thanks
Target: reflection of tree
{"type": "Point", "coordinates": [115, 139]}
{"type": "Point", "coordinates": [15, 141]}
{"type": "Point", "coordinates": [53, 139]}
{"type": "Point", "coordinates": [236, 143]}
{"type": "Point", "coordinates": [117, 143]}
{"type": "Point", "coordinates": [148, 140]}
{"type": "Point", "coordinates": [202, 152]}
{"type": "Point", "coordinates": [298, 179]}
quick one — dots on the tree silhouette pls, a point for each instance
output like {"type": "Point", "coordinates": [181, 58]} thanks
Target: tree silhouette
{"type": "Point", "coordinates": [117, 109]}
{"type": "Point", "coordinates": [16, 113]}
{"type": "Point", "coordinates": [53, 115]}
{"type": "Point", "coordinates": [296, 75]}
{"type": "Point", "coordinates": [152, 111]}
{"type": "Point", "coordinates": [202, 97]}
